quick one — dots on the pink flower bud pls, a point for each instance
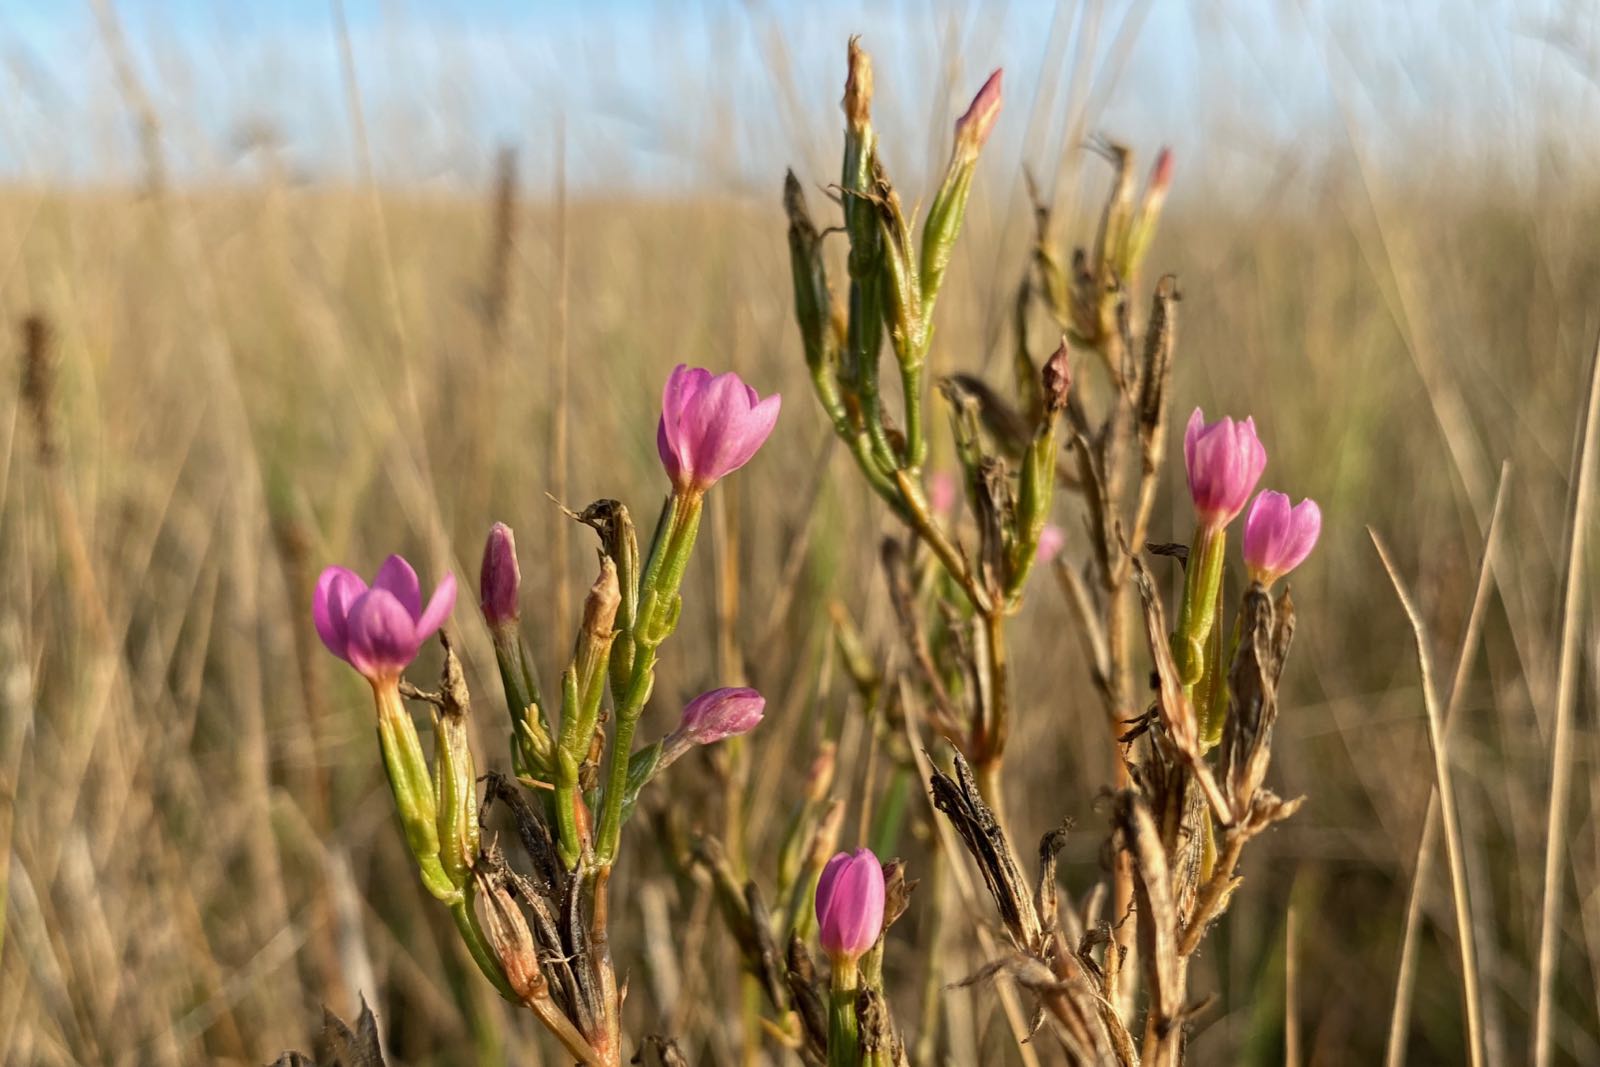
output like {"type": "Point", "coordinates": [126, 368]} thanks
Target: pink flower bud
{"type": "Point", "coordinates": [1224, 460]}
{"type": "Point", "coordinates": [710, 426]}
{"type": "Point", "coordinates": [942, 493]}
{"type": "Point", "coordinates": [972, 128]}
{"type": "Point", "coordinates": [1277, 537]}
{"type": "Point", "coordinates": [500, 578]}
{"type": "Point", "coordinates": [719, 714]}
{"type": "Point", "coordinates": [1161, 173]}
{"type": "Point", "coordinates": [850, 896]}
{"type": "Point", "coordinates": [1051, 540]}
{"type": "Point", "coordinates": [378, 630]}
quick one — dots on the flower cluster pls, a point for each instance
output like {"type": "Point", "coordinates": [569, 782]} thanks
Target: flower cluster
{"type": "Point", "coordinates": [710, 426]}
{"type": "Point", "coordinates": [1224, 461]}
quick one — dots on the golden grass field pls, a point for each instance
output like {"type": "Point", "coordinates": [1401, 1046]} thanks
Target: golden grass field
{"type": "Point", "coordinates": [255, 378]}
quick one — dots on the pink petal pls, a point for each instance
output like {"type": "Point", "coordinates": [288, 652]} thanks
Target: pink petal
{"type": "Point", "coordinates": [1305, 526]}
{"type": "Point", "coordinates": [383, 634]}
{"type": "Point", "coordinates": [337, 588]}
{"type": "Point", "coordinates": [708, 423]}
{"type": "Point", "coordinates": [440, 605]}
{"type": "Point", "coordinates": [850, 899]}
{"type": "Point", "coordinates": [664, 449]}
{"type": "Point", "coordinates": [1267, 517]}
{"type": "Point", "coordinates": [751, 433]}
{"type": "Point", "coordinates": [398, 578]}
{"type": "Point", "coordinates": [1191, 435]}
{"type": "Point", "coordinates": [677, 396]}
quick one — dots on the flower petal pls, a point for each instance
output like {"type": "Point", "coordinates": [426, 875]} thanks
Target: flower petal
{"type": "Point", "coordinates": [337, 588]}
{"type": "Point", "coordinates": [1191, 434]}
{"type": "Point", "coordinates": [397, 576]}
{"type": "Point", "coordinates": [383, 634]}
{"type": "Point", "coordinates": [440, 605]}
{"type": "Point", "coordinates": [850, 901]}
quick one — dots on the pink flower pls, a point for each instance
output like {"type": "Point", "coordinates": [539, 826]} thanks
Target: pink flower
{"type": "Point", "coordinates": [719, 714]}
{"type": "Point", "coordinates": [942, 493]}
{"type": "Point", "coordinates": [1051, 540]}
{"type": "Point", "coordinates": [1224, 461]}
{"type": "Point", "coordinates": [972, 128]}
{"type": "Point", "coordinates": [710, 426]}
{"type": "Point", "coordinates": [378, 630]}
{"type": "Point", "coordinates": [1161, 173]}
{"type": "Point", "coordinates": [1278, 538]}
{"type": "Point", "coordinates": [500, 577]}
{"type": "Point", "coordinates": [709, 718]}
{"type": "Point", "coordinates": [850, 904]}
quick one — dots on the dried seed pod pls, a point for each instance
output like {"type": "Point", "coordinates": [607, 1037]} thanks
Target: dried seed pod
{"type": "Point", "coordinates": [959, 800]}
{"type": "Point", "coordinates": [810, 999]}
{"type": "Point", "coordinates": [508, 932]}
{"type": "Point", "coordinates": [1252, 704]}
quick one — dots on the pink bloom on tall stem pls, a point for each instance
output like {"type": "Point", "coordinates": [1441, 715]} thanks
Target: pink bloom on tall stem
{"type": "Point", "coordinates": [500, 578]}
{"type": "Point", "coordinates": [850, 896]}
{"type": "Point", "coordinates": [1224, 461]}
{"type": "Point", "coordinates": [1051, 540]}
{"type": "Point", "coordinates": [710, 426]}
{"type": "Point", "coordinates": [1277, 537]}
{"type": "Point", "coordinates": [378, 630]}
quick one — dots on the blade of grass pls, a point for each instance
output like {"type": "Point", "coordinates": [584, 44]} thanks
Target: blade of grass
{"type": "Point", "coordinates": [1405, 979]}
{"type": "Point", "coordinates": [1447, 809]}
{"type": "Point", "coordinates": [1561, 743]}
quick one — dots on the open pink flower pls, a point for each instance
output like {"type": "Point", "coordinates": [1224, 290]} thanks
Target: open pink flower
{"type": "Point", "coordinates": [378, 630]}
{"type": "Point", "coordinates": [710, 426]}
{"type": "Point", "coordinates": [850, 896]}
{"type": "Point", "coordinates": [1224, 460]}
{"type": "Point", "coordinates": [1277, 537]}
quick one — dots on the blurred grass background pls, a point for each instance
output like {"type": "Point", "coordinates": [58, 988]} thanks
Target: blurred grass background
{"type": "Point", "coordinates": [268, 355]}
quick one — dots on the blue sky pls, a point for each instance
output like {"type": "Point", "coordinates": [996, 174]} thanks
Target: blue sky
{"type": "Point", "coordinates": [722, 92]}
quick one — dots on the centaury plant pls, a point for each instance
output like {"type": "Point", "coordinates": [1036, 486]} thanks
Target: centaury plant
{"type": "Point", "coordinates": [1191, 754]}
{"type": "Point", "coordinates": [539, 931]}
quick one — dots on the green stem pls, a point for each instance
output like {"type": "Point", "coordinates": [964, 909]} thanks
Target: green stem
{"type": "Point", "coordinates": [1214, 713]}
{"type": "Point", "coordinates": [628, 712]}
{"type": "Point", "coordinates": [669, 559]}
{"type": "Point", "coordinates": [844, 1039]}
{"type": "Point", "coordinates": [412, 787]}
{"type": "Point", "coordinates": [478, 945]}
{"type": "Point", "coordinates": [916, 440]}
{"type": "Point", "coordinates": [1197, 614]}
